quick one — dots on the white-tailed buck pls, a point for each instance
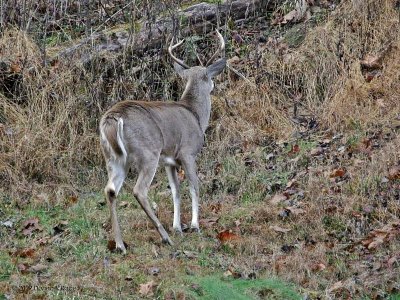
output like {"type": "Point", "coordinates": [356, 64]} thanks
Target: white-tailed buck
{"type": "Point", "coordinates": [140, 134]}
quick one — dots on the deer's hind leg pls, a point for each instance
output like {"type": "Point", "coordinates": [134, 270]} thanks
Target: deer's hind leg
{"type": "Point", "coordinates": [116, 176]}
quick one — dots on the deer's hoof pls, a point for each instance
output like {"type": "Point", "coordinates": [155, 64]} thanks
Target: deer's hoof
{"type": "Point", "coordinates": [195, 229]}
{"type": "Point", "coordinates": [167, 241]}
{"type": "Point", "coordinates": [119, 247]}
{"type": "Point", "coordinates": [177, 231]}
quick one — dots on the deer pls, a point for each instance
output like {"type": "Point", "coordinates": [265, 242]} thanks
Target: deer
{"type": "Point", "coordinates": [144, 133]}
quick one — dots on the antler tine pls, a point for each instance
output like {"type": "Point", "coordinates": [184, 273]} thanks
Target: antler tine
{"type": "Point", "coordinates": [177, 60]}
{"type": "Point", "coordinates": [221, 48]}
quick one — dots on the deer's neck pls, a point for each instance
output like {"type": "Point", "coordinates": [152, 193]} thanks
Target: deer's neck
{"type": "Point", "coordinates": [199, 102]}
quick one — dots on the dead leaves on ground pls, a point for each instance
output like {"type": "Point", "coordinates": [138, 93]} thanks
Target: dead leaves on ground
{"type": "Point", "coordinates": [24, 253]}
{"type": "Point", "coordinates": [372, 64]}
{"type": "Point", "coordinates": [30, 225]}
{"type": "Point", "coordinates": [340, 172]}
{"type": "Point", "coordinates": [277, 199]}
{"type": "Point", "coordinates": [226, 236]}
{"type": "Point", "coordinates": [383, 235]}
{"type": "Point", "coordinates": [290, 206]}
{"type": "Point", "coordinates": [372, 61]}
{"type": "Point", "coordinates": [209, 222]}
{"type": "Point", "coordinates": [394, 173]}
{"type": "Point", "coordinates": [301, 12]}
{"type": "Point", "coordinates": [147, 289]}
{"type": "Point", "coordinates": [317, 267]}
{"type": "Point", "coordinates": [279, 229]}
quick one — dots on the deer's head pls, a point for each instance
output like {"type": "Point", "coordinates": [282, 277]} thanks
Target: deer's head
{"type": "Point", "coordinates": [200, 76]}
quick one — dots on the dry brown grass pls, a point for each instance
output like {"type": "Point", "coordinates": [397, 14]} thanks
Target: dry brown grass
{"type": "Point", "coordinates": [324, 76]}
{"type": "Point", "coordinates": [49, 125]}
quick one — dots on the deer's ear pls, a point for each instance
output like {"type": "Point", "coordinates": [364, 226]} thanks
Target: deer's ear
{"type": "Point", "coordinates": [180, 70]}
{"type": "Point", "coordinates": [217, 67]}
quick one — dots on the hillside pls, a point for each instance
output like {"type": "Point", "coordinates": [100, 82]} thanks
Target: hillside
{"type": "Point", "coordinates": [299, 174]}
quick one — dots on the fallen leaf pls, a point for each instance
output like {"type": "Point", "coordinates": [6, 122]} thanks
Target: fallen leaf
{"type": "Point", "coordinates": [296, 211]}
{"type": "Point", "coordinates": [146, 289]}
{"type": "Point", "coordinates": [38, 268]}
{"type": "Point", "coordinates": [278, 198]}
{"type": "Point", "coordinates": [73, 199]}
{"type": "Point", "coordinates": [371, 62]}
{"type": "Point", "coordinates": [289, 193]}
{"type": "Point", "coordinates": [394, 172]}
{"type": "Point", "coordinates": [380, 102]}
{"type": "Point", "coordinates": [294, 149]}
{"type": "Point", "coordinates": [228, 273]}
{"type": "Point", "coordinates": [43, 241]}
{"type": "Point", "coordinates": [190, 254]}
{"type": "Point", "coordinates": [226, 236]}
{"type": "Point", "coordinates": [15, 67]}
{"type": "Point", "coordinates": [29, 252]}
{"type": "Point", "coordinates": [55, 63]}
{"type": "Point", "coordinates": [379, 236]}
{"type": "Point", "coordinates": [123, 204]}
{"type": "Point", "coordinates": [237, 38]}
{"type": "Point", "coordinates": [217, 168]}
{"type": "Point", "coordinates": [338, 173]}
{"type": "Point", "coordinates": [292, 183]}
{"type": "Point", "coordinates": [292, 15]}
{"type": "Point", "coordinates": [30, 225]}
{"type": "Point", "coordinates": [232, 273]}
{"type": "Point", "coordinates": [279, 229]}
{"type": "Point", "coordinates": [216, 207]}
{"type": "Point", "coordinates": [318, 267]}
{"type": "Point", "coordinates": [209, 222]}
{"type": "Point", "coordinates": [23, 268]}
{"type": "Point", "coordinates": [317, 151]}
{"type": "Point", "coordinates": [336, 286]}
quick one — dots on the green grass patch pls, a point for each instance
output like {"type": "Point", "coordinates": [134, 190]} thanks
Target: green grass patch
{"type": "Point", "coordinates": [6, 266]}
{"type": "Point", "coordinates": [214, 287]}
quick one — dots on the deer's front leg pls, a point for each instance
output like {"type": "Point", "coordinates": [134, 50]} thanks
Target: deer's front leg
{"type": "Point", "coordinates": [147, 170]}
{"type": "Point", "coordinates": [174, 184]}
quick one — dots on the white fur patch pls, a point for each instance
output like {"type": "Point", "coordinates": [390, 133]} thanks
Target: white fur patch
{"type": "Point", "coordinates": [170, 161]}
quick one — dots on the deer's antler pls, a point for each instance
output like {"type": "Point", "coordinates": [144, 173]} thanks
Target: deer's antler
{"type": "Point", "coordinates": [220, 49]}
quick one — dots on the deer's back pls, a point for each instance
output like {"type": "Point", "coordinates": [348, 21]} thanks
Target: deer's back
{"type": "Point", "coordinates": [167, 127]}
